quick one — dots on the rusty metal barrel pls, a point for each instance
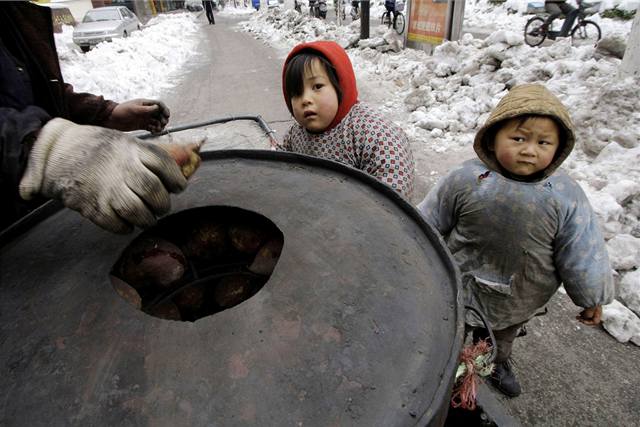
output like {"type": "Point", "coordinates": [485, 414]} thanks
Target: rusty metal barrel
{"type": "Point", "coordinates": [360, 323]}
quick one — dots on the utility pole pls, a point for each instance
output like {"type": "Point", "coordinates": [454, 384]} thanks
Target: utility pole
{"type": "Point", "coordinates": [364, 19]}
{"type": "Point", "coordinates": [631, 60]}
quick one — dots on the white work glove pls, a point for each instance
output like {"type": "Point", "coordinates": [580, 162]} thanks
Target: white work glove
{"type": "Point", "coordinates": [112, 178]}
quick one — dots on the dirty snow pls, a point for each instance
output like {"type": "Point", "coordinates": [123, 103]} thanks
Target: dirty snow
{"type": "Point", "coordinates": [440, 100]}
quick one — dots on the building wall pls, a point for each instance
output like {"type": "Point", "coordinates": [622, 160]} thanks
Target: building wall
{"type": "Point", "coordinates": [77, 7]}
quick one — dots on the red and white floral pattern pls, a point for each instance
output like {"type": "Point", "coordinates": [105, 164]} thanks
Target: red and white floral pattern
{"type": "Point", "coordinates": [365, 140]}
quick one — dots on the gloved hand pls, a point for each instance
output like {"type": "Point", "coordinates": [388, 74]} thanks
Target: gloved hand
{"type": "Point", "coordinates": [139, 114]}
{"type": "Point", "coordinates": [591, 315]}
{"type": "Point", "coordinates": [111, 178]}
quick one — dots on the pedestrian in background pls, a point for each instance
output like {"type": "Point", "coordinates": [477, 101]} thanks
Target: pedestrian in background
{"type": "Point", "coordinates": [54, 142]}
{"type": "Point", "coordinates": [517, 227]}
{"type": "Point", "coordinates": [208, 8]}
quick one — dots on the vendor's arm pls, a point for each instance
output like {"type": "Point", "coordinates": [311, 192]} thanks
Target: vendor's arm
{"type": "Point", "coordinates": [581, 256]}
{"type": "Point", "coordinates": [18, 129]}
{"type": "Point", "coordinates": [115, 180]}
{"type": "Point", "coordinates": [136, 114]}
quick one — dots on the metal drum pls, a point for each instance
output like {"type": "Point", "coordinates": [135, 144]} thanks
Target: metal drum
{"type": "Point", "coordinates": [359, 324]}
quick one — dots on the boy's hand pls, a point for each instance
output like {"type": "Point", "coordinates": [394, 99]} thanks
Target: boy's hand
{"type": "Point", "coordinates": [590, 316]}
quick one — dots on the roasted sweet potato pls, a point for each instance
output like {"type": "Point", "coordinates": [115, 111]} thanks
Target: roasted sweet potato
{"type": "Point", "coordinates": [152, 261]}
{"type": "Point", "coordinates": [186, 155]}
{"type": "Point", "coordinates": [246, 238]}
{"type": "Point", "coordinates": [232, 290]}
{"type": "Point", "coordinates": [166, 310]}
{"type": "Point", "coordinates": [190, 299]}
{"type": "Point", "coordinates": [267, 257]}
{"type": "Point", "coordinates": [206, 241]}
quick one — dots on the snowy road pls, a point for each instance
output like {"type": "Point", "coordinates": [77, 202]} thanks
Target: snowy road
{"type": "Point", "coordinates": [233, 74]}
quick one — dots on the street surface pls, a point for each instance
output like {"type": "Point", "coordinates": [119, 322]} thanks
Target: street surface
{"type": "Point", "coordinates": [571, 374]}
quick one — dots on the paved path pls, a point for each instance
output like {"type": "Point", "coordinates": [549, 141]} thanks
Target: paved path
{"type": "Point", "coordinates": [234, 74]}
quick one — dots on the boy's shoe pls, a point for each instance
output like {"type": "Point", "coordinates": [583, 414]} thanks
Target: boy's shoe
{"type": "Point", "coordinates": [504, 379]}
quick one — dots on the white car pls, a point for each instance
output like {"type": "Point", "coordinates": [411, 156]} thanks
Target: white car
{"type": "Point", "coordinates": [104, 24]}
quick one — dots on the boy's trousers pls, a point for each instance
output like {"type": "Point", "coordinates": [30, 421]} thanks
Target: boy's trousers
{"type": "Point", "coordinates": [504, 339]}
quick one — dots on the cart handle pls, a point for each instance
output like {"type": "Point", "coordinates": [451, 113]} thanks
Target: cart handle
{"type": "Point", "coordinates": [258, 119]}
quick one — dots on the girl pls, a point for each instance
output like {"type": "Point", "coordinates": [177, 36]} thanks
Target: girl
{"type": "Point", "coordinates": [320, 91]}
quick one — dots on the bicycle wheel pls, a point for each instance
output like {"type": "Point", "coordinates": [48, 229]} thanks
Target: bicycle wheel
{"type": "Point", "coordinates": [534, 35]}
{"type": "Point", "coordinates": [586, 33]}
{"type": "Point", "coordinates": [386, 19]}
{"type": "Point", "coordinates": [399, 23]}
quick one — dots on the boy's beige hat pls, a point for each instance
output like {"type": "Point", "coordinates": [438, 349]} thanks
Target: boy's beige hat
{"type": "Point", "coordinates": [527, 99]}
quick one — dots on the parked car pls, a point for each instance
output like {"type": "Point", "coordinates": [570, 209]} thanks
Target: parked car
{"type": "Point", "coordinates": [104, 24]}
{"type": "Point", "coordinates": [193, 5]}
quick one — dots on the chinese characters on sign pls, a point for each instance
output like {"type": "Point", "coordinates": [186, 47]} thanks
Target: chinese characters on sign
{"type": "Point", "coordinates": [427, 23]}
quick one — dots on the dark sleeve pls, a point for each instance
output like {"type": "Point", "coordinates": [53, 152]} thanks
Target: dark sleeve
{"type": "Point", "coordinates": [15, 127]}
{"type": "Point", "coordinates": [87, 109]}
{"type": "Point", "coordinates": [439, 207]}
{"type": "Point", "coordinates": [581, 255]}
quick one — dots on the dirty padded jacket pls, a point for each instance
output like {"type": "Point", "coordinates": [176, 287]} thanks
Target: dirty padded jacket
{"type": "Point", "coordinates": [363, 140]}
{"type": "Point", "coordinates": [516, 242]}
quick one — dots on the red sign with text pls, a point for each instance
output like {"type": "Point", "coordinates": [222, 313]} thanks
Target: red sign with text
{"type": "Point", "coordinates": [427, 23]}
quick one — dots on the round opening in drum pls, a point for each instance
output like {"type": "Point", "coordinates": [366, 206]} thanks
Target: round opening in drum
{"type": "Point", "coordinates": [198, 262]}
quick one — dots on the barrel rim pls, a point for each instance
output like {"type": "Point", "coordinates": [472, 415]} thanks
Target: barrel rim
{"type": "Point", "coordinates": [437, 408]}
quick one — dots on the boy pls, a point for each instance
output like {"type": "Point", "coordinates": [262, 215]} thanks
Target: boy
{"type": "Point", "coordinates": [320, 91]}
{"type": "Point", "coordinates": [518, 228]}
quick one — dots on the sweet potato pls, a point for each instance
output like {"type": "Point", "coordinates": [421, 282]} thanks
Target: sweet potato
{"type": "Point", "coordinates": [246, 238]}
{"type": "Point", "coordinates": [166, 310]}
{"type": "Point", "coordinates": [206, 241]}
{"type": "Point", "coordinates": [186, 156]}
{"type": "Point", "coordinates": [152, 261]}
{"type": "Point", "coordinates": [232, 290]}
{"type": "Point", "coordinates": [267, 257]}
{"type": "Point", "coordinates": [190, 299]}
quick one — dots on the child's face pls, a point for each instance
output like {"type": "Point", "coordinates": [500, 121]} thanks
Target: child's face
{"type": "Point", "coordinates": [528, 147]}
{"type": "Point", "coordinates": [318, 104]}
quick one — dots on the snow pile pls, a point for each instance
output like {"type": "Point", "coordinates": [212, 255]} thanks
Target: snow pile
{"type": "Point", "coordinates": [230, 9]}
{"type": "Point", "coordinates": [442, 100]}
{"type": "Point", "coordinates": [511, 16]}
{"type": "Point", "coordinates": [140, 66]}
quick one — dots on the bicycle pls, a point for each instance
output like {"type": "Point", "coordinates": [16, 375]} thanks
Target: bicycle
{"type": "Point", "coordinates": [398, 21]}
{"type": "Point", "coordinates": [583, 33]}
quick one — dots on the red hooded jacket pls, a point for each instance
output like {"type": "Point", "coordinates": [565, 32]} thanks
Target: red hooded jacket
{"type": "Point", "coordinates": [358, 136]}
{"type": "Point", "coordinates": [337, 56]}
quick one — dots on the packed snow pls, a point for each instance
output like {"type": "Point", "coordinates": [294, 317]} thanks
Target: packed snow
{"type": "Point", "coordinates": [440, 100]}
